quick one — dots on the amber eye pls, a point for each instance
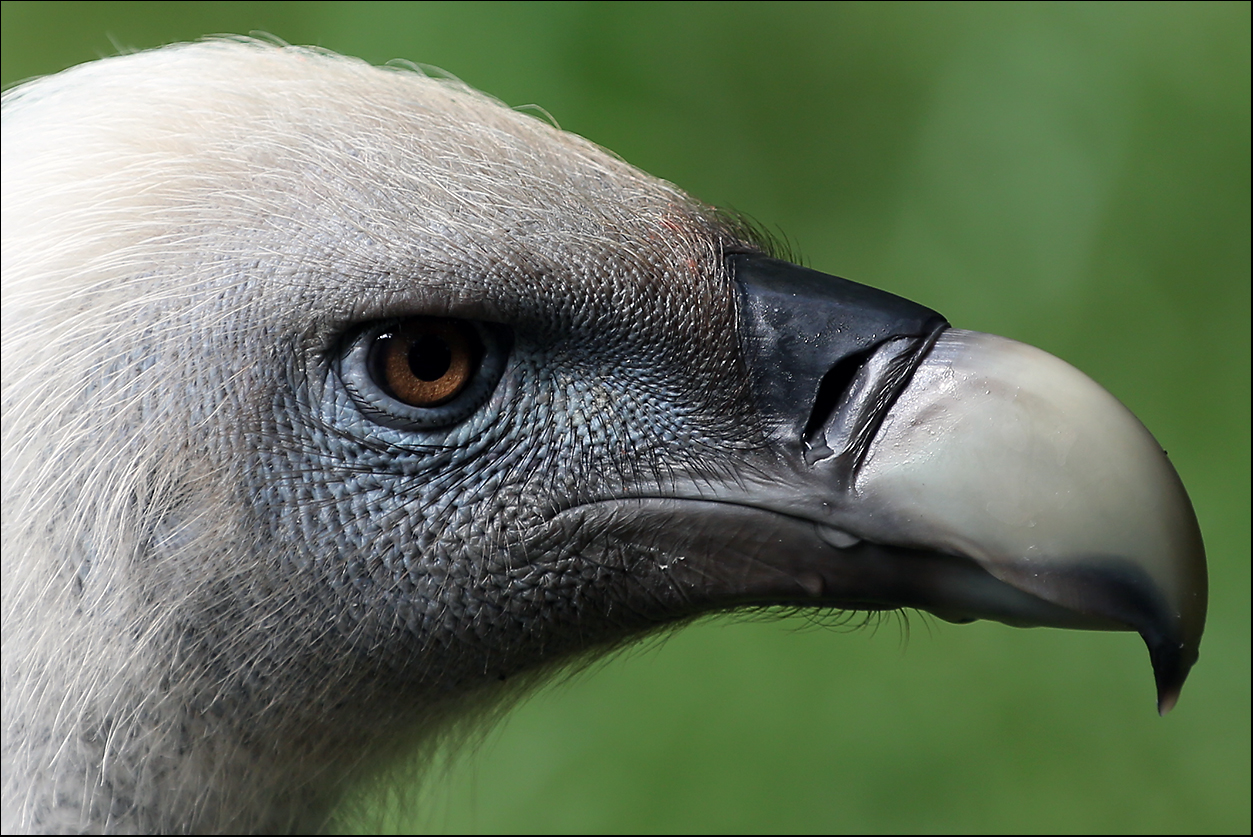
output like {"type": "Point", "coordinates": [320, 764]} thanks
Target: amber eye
{"type": "Point", "coordinates": [421, 374]}
{"type": "Point", "coordinates": [426, 361]}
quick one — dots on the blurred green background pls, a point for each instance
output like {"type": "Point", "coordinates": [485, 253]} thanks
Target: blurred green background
{"type": "Point", "coordinates": [1071, 175]}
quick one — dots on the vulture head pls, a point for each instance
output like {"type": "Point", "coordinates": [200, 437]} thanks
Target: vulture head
{"type": "Point", "coordinates": [335, 397]}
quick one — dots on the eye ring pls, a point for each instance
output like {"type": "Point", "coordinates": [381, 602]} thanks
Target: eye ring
{"type": "Point", "coordinates": [423, 373]}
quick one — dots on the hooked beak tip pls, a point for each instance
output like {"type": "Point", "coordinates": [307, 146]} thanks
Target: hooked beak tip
{"type": "Point", "coordinates": [1171, 663]}
{"type": "Point", "coordinates": [1017, 460]}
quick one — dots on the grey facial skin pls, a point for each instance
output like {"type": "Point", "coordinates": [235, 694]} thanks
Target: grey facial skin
{"type": "Point", "coordinates": [245, 567]}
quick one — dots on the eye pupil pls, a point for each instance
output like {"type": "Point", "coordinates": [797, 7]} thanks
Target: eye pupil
{"type": "Point", "coordinates": [430, 357]}
{"type": "Point", "coordinates": [427, 361]}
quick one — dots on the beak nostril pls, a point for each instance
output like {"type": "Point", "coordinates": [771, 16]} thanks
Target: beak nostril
{"type": "Point", "coordinates": [831, 391]}
{"type": "Point", "coordinates": [853, 396]}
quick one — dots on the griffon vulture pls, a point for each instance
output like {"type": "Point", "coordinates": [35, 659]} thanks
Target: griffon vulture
{"type": "Point", "coordinates": [334, 396]}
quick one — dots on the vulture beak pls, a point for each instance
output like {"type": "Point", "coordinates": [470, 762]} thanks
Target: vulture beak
{"type": "Point", "coordinates": [915, 465]}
